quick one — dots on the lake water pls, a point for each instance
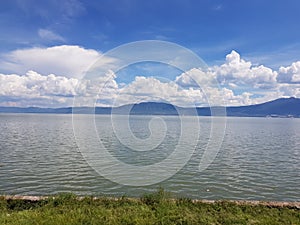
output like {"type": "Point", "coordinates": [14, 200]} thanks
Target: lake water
{"type": "Point", "coordinates": [259, 158]}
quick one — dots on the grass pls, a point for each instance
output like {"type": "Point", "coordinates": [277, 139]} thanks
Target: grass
{"type": "Point", "coordinates": [155, 208]}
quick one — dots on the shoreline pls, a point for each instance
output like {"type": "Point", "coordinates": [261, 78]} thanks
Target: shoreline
{"type": "Point", "coordinates": [276, 204]}
{"type": "Point", "coordinates": [152, 208]}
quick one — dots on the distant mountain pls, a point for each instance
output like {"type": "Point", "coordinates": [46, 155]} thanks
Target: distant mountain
{"type": "Point", "coordinates": [147, 108]}
{"type": "Point", "coordinates": [283, 107]}
{"type": "Point", "coordinates": [35, 110]}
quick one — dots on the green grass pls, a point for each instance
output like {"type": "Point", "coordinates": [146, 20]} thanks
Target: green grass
{"type": "Point", "coordinates": [156, 208]}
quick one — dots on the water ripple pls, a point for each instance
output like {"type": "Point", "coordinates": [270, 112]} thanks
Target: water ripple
{"type": "Point", "coordinates": [259, 159]}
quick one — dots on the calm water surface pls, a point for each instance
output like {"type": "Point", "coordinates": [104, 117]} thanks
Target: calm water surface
{"type": "Point", "coordinates": [259, 158]}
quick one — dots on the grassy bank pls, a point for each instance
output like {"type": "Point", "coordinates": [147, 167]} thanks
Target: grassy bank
{"type": "Point", "coordinates": [156, 208]}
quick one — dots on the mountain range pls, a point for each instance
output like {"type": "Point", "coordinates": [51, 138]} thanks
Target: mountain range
{"type": "Point", "coordinates": [282, 107]}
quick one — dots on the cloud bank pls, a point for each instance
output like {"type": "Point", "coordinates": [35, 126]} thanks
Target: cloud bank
{"type": "Point", "coordinates": [52, 77]}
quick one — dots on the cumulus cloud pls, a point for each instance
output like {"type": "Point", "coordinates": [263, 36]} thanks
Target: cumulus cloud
{"type": "Point", "coordinates": [44, 90]}
{"type": "Point", "coordinates": [50, 35]}
{"type": "Point", "coordinates": [243, 83]}
{"type": "Point", "coordinates": [196, 78]}
{"type": "Point", "coordinates": [290, 90]}
{"type": "Point", "coordinates": [240, 72]}
{"type": "Point", "coordinates": [33, 88]}
{"type": "Point", "coordinates": [151, 89]}
{"type": "Point", "coordinates": [64, 60]}
{"type": "Point", "coordinates": [290, 74]}
{"type": "Point", "coordinates": [53, 77]}
{"type": "Point", "coordinates": [34, 84]}
{"type": "Point", "coordinates": [234, 72]}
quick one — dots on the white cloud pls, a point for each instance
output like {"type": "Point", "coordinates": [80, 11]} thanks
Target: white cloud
{"type": "Point", "coordinates": [151, 89]}
{"type": "Point", "coordinates": [290, 90]}
{"type": "Point", "coordinates": [50, 35]}
{"type": "Point", "coordinates": [196, 78]}
{"type": "Point", "coordinates": [290, 74]}
{"type": "Point", "coordinates": [234, 72]}
{"type": "Point", "coordinates": [33, 88]}
{"type": "Point", "coordinates": [64, 60]}
{"type": "Point", "coordinates": [242, 83]}
{"type": "Point", "coordinates": [296, 78]}
{"type": "Point", "coordinates": [232, 85]}
{"type": "Point", "coordinates": [240, 72]}
{"type": "Point", "coordinates": [56, 91]}
{"type": "Point", "coordinates": [54, 77]}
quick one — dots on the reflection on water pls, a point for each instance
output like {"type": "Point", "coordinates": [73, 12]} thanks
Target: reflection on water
{"type": "Point", "coordinates": [259, 158]}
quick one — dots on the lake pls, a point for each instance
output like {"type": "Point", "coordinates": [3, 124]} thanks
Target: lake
{"type": "Point", "coordinates": [259, 158]}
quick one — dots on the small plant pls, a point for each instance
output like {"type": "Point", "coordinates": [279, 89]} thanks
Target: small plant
{"type": "Point", "coordinates": [156, 197]}
{"type": "Point", "coordinates": [62, 198]}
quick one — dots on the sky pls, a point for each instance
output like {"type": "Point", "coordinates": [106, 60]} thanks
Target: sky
{"type": "Point", "coordinates": [250, 48]}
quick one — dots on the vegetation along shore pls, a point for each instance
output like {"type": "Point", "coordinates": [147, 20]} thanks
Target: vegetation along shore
{"type": "Point", "coordinates": [154, 208]}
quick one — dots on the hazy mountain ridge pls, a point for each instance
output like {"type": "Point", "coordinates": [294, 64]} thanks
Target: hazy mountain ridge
{"type": "Point", "coordinates": [283, 107]}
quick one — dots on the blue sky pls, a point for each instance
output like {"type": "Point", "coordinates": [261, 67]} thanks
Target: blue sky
{"type": "Point", "coordinates": [264, 33]}
{"type": "Point", "coordinates": [210, 28]}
